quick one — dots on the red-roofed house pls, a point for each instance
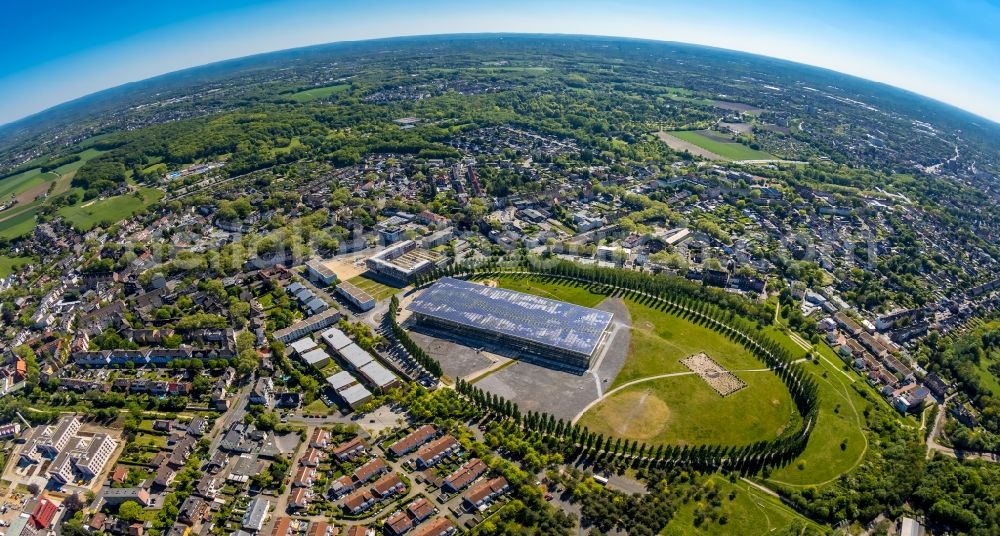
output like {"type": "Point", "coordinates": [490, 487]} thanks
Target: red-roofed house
{"type": "Point", "coordinates": [359, 501]}
{"type": "Point", "coordinates": [42, 515]}
{"type": "Point", "coordinates": [320, 439]}
{"type": "Point", "coordinates": [351, 449]}
{"type": "Point", "coordinates": [464, 475]}
{"type": "Point", "coordinates": [437, 527]}
{"type": "Point", "coordinates": [398, 523]}
{"type": "Point", "coordinates": [370, 470]}
{"type": "Point", "coordinates": [321, 528]}
{"type": "Point", "coordinates": [483, 494]}
{"type": "Point", "coordinates": [420, 509]}
{"type": "Point", "coordinates": [388, 486]}
{"type": "Point", "coordinates": [299, 498]}
{"type": "Point", "coordinates": [413, 440]}
{"type": "Point", "coordinates": [436, 451]}
{"type": "Point", "coordinates": [311, 458]}
{"type": "Point", "coordinates": [283, 527]}
{"type": "Point", "coordinates": [304, 477]}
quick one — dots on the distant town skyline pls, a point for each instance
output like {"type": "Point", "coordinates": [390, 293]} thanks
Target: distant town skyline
{"type": "Point", "coordinates": [59, 50]}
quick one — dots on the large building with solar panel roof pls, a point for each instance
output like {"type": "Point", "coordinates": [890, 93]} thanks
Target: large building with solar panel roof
{"type": "Point", "coordinates": [559, 332]}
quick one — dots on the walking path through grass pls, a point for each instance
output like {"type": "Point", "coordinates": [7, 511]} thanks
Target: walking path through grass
{"type": "Point", "coordinates": [659, 377]}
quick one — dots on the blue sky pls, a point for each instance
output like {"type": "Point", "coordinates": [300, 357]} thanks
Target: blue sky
{"type": "Point", "coordinates": [54, 51]}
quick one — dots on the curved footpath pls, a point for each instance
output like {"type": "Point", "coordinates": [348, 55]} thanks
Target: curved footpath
{"type": "Point", "coordinates": [659, 377]}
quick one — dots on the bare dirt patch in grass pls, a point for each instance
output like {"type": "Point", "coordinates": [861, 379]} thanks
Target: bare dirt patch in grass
{"type": "Point", "coordinates": [724, 382]}
{"type": "Point", "coordinates": [678, 144]}
{"type": "Point", "coordinates": [637, 414]}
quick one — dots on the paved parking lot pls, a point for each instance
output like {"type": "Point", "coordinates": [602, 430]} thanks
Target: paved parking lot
{"type": "Point", "coordinates": [457, 358]}
{"type": "Point", "coordinates": [537, 388]}
{"type": "Point", "coordinates": [533, 386]}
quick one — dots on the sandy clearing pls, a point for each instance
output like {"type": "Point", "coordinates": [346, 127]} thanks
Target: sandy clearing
{"type": "Point", "coordinates": [347, 268]}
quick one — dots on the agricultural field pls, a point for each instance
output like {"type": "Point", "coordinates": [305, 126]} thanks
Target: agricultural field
{"type": "Point", "coordinates": [31, 179]}
{"type": "Point", "coordinates": [318, 93]}
{"type": "Point", "coordinates": [87, 215]}
{"type": "Point", "coordinates": [715, 145]}
{"type": "Point", "coordinates": [26, 180]}
{"type": "Point", "coordinates": [29, 187]}
{"type": "Point", "coordinates": [19, 224]}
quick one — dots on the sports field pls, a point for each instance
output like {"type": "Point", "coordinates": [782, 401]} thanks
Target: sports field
{"type": "Point", "coordinates": [317, 93]}
{"type": "Point", "coordinates": [725, 150]}
{"type": "Point", "coordinates": [376, 289]}
{"type": "Point", "coordinates": [657, 399]}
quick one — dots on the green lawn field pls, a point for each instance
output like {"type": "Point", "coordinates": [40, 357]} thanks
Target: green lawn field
{"type": "Point", "coordinates": [20, 220]}
{"type": "Point", "coordinates": [730, 150]}
{"type": "Point", "coordinates": [376, 289]}
{"type": "Point", "coordinates": [22, 182]}
{"type": "Point", "coordinates": [317, 93]}
{"type": "Point", "coordinates": [72, 167]}
{"type": "Point", "coordinates": [87, 215]}
{"type": "Point", "coordinates": [680, 409]}
{"type": "Point", "coordinates": [684, 410]}
{"type": "Point", "coordinates": [18, 225]}
{"type": "Point", "coordinates": [567, 291]}
{"type": "Point", "coordinates": [750, 512]}
{"type": "Point", "coordinates": [294, 143]}
{"type": "Point", "coordinates": [8, 264]}
{"type": "Point", "coordinates": [840, 421]}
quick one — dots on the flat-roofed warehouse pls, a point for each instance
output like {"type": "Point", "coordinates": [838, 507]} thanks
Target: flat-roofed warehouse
{"type": "Point", "coordinates": [404, 261]}
{"type": "Point", "coordinates": [361, 299]}
{"type": "Point", "coordinates": [560, 332]}
{"type": "Point", "coordinates": [319, 271]}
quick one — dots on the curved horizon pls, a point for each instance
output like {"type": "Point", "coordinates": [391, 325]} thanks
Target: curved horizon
{"type": "Point", "coordinates": [944, 51]}
{"type": "Point", "coordinates": [485, 34]}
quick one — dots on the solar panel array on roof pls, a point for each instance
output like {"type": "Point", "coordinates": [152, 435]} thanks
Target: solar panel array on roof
{"type": "Point", "coordinates": [514, 314]}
